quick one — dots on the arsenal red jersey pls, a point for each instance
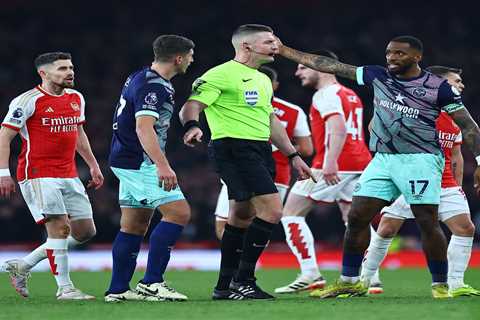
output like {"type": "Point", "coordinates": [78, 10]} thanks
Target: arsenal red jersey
{"type": "Point", "coordinates": [48, 127]}
{"type": "Point", "coordinates": [337, 99]}
{"type": "Point", "coordinates": [294, 120]}
{"type": "Point", "coordinates": [449, 135]}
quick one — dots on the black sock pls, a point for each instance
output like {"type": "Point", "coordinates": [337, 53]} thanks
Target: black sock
{"type": "Point", "coordinates": [231, 250]}
{"type": "Point", "coordinates": [256, 239]}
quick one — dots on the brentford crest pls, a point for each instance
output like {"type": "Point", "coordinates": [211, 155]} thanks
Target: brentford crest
{"type": "Point", "coordinates": [75, 106]}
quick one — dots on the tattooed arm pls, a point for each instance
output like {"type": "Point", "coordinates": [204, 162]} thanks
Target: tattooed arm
{"type": "Point", "coordinates": [319, 63]}
{"type": "Point", "coordinates": [471, 137]}
{"type": "Point", "coordinates": [457, 164]}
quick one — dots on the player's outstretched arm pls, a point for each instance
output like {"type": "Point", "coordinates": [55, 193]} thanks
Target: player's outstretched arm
{"type": "Point", "coordinates": [471, 137]}
{"type": "Point", "coordinates": [7, 185]}
{"type": "Point", "coordinates": [85, 151]}
{"type": "Point", "coordinates": [280, 139]}
{"type": "Point", "coordinates": [149, 141]}
{"type": "Point", "coordinates": [189, 115]}
{"type": "Point", "coordinates": [319, 63]}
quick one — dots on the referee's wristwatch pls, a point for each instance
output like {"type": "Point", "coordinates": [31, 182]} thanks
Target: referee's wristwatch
{"type": "Point", "coordinates": [293, 155]}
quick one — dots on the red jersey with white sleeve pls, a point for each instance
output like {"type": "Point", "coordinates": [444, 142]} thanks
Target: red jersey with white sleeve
{"type": "Point", "coordinates": [48, 127]}
{"type": "Point", "coordinates": [294, 119]}
{"type": "Point", "coordinates": [337, 99]}
{"type": "Point", "coordinates": [449, 135]}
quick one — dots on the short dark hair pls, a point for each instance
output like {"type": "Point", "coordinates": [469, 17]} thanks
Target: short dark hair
{"type": "Point", "coordinates": [167, 46]}
{"type": "Point", "coordinates": [270, 72]}
{"type": "Point", "coordinates": [51, 57]}
{"type": "Point", "coordinates": [251, 28]}
{"type": "Point", "coordinates": [442, 71]}
{"type": "Point", "coordinates": [326, 53]}
{"type": "Point", "coordinates": [411, 40]}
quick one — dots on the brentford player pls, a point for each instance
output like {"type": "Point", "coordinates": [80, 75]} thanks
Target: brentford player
{"type": "Point", "coordinates": [453, 210]}
{"type": "Point", "coordinates": [50, 120]}
{"type": "Point", "coordinates": [295, 121]}
{"type": "Point", "coordinates": [336, 118]}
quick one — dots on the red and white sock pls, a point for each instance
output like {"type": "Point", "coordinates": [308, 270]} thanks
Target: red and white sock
{"type": "Point", "coordinates": [57, 255]}
{"type": "Point", "coordinates": [40, 253]}
{"type": "Point", "coordinates": [301, 242]}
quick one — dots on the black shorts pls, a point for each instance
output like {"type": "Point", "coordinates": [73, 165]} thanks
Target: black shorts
{"type": "Point", "coordinates": [246, 166]}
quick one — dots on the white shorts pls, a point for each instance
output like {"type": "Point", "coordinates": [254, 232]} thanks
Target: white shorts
{"type": "Point", "coordinates": [452, 203]}
{"type": "Point", "coordinates": [221, 210]}
{"type": "Point", "coordinates": [56, 196]}
{"type": "Point", "coordinates": [322, 192]}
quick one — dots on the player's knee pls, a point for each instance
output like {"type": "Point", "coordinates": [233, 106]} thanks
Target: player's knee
{"type": "Point", "coordinates": [464, 230]}
{"type": "Point", "coordinates": [355, 219]}
{"type": "Point", "coordinates": [183, 216]}
{"type": "Point", "coordinates": [386, 230]}
{"type": "Point", "coordinates": [86, 235]}
{"type": "Point", "coordinates": [138, 227]}
{"type": "Point", "coordinates": [64, 230]}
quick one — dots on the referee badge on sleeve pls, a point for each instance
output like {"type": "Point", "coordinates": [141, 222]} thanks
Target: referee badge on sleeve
{"type": "Point", "coordinates": [251, 97]}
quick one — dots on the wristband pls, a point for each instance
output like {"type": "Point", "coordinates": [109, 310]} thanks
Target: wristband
{"type": "Point", "coordinates": [190, 124]}
{"type": "Point", "coordinates": [478, 160]}
{"type": "Point", "coordinates": [293, 155]}
{"type": "Point", "coordinates": [5, 172]}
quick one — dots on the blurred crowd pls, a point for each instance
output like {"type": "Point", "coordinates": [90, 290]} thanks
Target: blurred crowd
{"type": "Point", "coordinates": [110, 39]}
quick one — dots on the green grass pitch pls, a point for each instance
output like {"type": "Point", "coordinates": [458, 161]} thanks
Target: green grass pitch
{"type": "Point", "coordinates": [407, 297]}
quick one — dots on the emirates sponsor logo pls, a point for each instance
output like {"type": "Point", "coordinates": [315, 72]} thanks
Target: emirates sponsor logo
{"type": "Point", "coordinates": [61, 124]}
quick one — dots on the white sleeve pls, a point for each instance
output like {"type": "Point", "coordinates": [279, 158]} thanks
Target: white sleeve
{"type": "Point", "coordinates": [301, 126]}
{"type": "Point", "coordinates": [459, 139]}
{"type": "Point", "coordinates": [328, 102]}
{"type": "Point", "coordinates": [18, 113]}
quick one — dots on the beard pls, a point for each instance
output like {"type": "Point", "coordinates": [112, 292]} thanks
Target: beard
{"type": "Point", "coordinates": [68, 84]}
{"type": "Point", "coordinates": [400, 69]}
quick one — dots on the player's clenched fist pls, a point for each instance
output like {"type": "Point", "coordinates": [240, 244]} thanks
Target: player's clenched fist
{"type": "Point", "coordinates": [193, 136]}
{"type": "Point", "coordinates": [167, 177]}
{"type": "Point", "coordinates": [7, 186]}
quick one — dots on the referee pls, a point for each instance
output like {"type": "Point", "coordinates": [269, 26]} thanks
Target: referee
{"type": "Point", "coordinates": [236, 98]}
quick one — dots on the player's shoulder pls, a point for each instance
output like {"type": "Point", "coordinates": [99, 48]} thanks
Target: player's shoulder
{"type": "Point", "coordinates": [71, 91]}
{"type": "Point", "coordinates": [224, 68]}
{"type": "Point", "coordinates": [28, 96]}
{"type": "Point", "coordinates": [434, 81]}
{"type": "Point", "coordinates": [148, 79]}
{"type": "Point", "coordinates": [277, 102]}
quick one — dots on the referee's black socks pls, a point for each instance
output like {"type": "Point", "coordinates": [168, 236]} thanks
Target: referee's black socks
{"type": "Point", "coordinates": [231, 250]}
{"type": "Point", "coordinates": [256, 239]}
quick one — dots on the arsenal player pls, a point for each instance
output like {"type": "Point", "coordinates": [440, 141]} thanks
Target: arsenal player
{"type": "Point", "coordinates": [336, 120]}
{"type": "Point", "coordinates": [50, 120]}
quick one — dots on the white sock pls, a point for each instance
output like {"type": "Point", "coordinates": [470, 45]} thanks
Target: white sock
{"type": "Point", "coordinates": [301, 242]}
{"type": "Point", "coordinates": [459, 251]}
{"type": "Point", "coordinates": [376, 252]}
{"type": "Point", "coordinates": [37, 255]}
{"type": "Point", "coordinates": [57, 254]}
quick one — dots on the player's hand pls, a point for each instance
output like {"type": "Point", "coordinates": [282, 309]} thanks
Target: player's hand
{"type": "Point", "coordinates": [304, 171]}
{"type": "Point", "coordinates": [97, 178]}
{"type": "Point", "coordinates": [193, 136]}
{"type": "Point", "coordinates": [167, 177]}
{"type": "Point", "coordinates": [279, 42]}
{"type": "Point", "coordinates": [330, 173]}
{"type": "Point", "coordinates": [7, 187]}
{"type": "Point", "coordinates": [476, 180]}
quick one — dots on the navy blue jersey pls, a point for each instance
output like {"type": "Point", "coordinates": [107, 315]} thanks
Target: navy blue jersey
{"type": "Point", "coordinates": [405, 110]}
{"type": "Point", "coordinates": [145, 93]}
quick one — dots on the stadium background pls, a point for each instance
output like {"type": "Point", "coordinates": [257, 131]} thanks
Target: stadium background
{"type": "Point", "coordinates": [110, 39]}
